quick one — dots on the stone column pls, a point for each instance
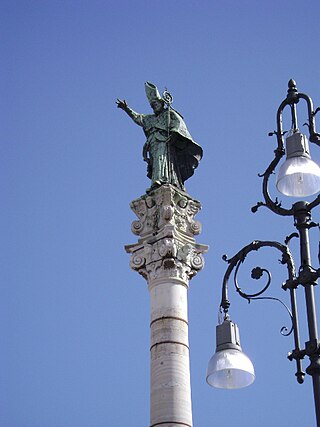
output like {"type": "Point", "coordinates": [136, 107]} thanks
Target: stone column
{"type": "Point", "coordinates": [167, 256]}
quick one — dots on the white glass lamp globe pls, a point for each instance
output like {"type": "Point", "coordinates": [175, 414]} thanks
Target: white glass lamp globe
{"type": "Point", "coordinates": [299, 176]}
{"type": "Point", "coordinates": [229, 367]}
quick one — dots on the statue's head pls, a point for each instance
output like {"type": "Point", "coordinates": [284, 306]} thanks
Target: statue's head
{"type": "Point", "coordinates": [154, 98]}
{"type": "Point", "coordinates": [157, 105]}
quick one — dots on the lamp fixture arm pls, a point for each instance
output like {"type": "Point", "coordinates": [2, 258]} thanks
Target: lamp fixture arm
{"type": "Point", "coordinates": [287, 259]}
{"type": "Point", "coordinates": [240, 257]}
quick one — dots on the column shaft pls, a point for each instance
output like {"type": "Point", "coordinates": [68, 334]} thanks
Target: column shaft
{"type": "Point", "coordinates": [170, 367]}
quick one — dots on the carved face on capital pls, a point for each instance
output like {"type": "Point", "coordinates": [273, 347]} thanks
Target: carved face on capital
{"type": "Point", "coordinates": [157, 105]}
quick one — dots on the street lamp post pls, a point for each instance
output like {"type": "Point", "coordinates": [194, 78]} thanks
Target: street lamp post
{"type": "Point", "coordinates": [298, 176]}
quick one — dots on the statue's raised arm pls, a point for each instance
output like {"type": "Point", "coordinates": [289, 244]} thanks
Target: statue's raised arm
{"type": "Point", "coordinates": [171, 153]}
{"type": "Point", "coordinates": [136, 117]}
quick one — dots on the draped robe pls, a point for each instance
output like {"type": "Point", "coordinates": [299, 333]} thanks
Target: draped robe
{"type": "Point", "coordinates": [170, 151]}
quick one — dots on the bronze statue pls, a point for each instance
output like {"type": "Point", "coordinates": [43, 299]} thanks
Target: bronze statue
{"type": "Point", "coordinates": [171, 153]}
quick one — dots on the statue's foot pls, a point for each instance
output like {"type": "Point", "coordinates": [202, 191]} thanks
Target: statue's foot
{"type": "Point", "coordinates": [156, 184]}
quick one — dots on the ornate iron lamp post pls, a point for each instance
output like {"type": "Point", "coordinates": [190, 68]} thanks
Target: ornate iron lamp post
{"type": "Point", "coordinates": [299, 176]}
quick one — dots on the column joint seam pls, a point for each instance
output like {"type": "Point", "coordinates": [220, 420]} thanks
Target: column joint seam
{"type": "Point", "coordinates": [168, 317]}
{"type": "Point", "coordinates": [170, 422]}
{"type": "Point", "coordinates": [169, 342]}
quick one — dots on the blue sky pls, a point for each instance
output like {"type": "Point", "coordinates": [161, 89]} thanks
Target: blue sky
{"type": "Point", "coordinates": [74, 329]}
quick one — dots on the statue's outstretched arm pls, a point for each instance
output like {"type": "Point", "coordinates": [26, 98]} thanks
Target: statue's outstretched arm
{"type": "Point", "coordinates": [136, 117]}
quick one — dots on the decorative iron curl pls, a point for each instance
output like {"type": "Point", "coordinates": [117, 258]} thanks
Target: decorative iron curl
{"type": "Point", "coordinates": [256, 274]}
{"type": "Point", "coordinates": [236, 261]}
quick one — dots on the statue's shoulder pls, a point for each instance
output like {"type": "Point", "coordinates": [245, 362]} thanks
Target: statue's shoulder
{"type": "Point", "coordinates": [160, 121]}
{"type": "Point", "coordinates": [148, 116]}
{"type": "Point", "coordinates": [149, 120]}
{"type": "Point", "coordinates": [176, 114]}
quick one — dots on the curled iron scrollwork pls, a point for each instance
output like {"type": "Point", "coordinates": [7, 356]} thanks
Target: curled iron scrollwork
{"type": "Point", "coordinates": [257, 273]}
